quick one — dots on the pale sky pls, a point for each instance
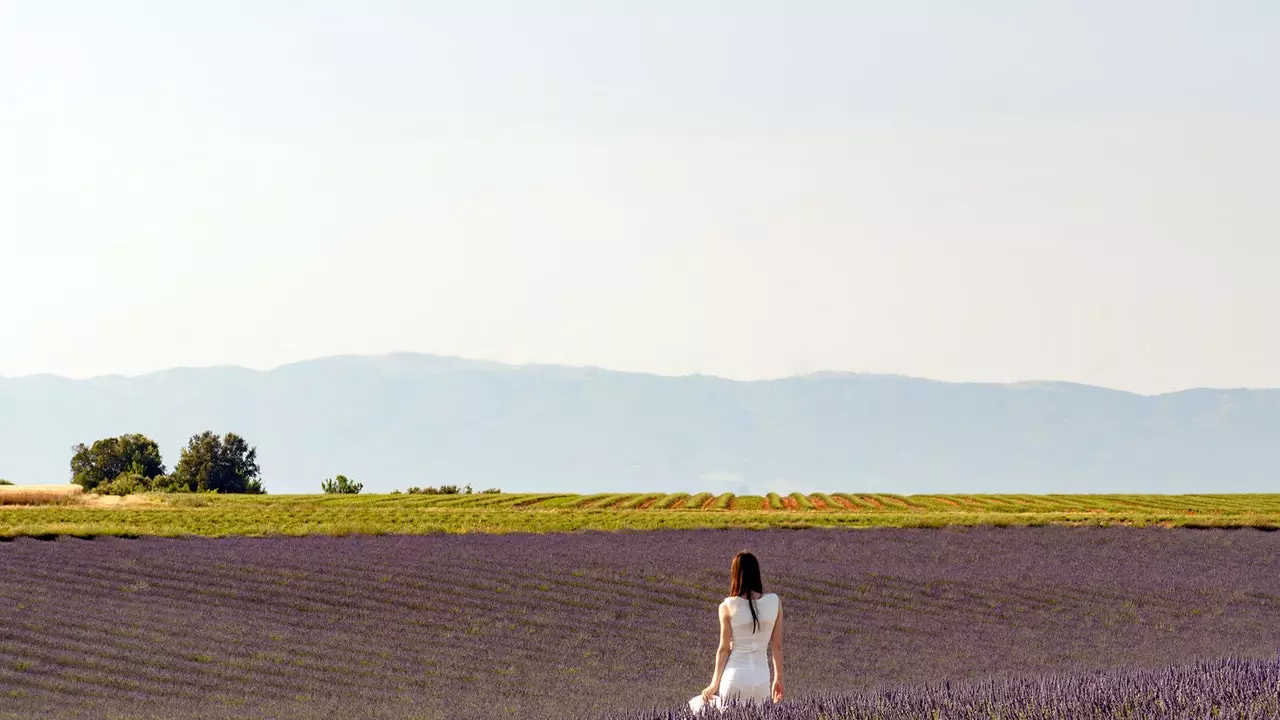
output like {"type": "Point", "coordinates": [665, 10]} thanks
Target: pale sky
{"type": "Point", "coordinates": [993, 191]}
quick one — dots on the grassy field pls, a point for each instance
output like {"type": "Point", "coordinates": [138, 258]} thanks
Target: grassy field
{"type": "Point", "coordinates": [217, 516]}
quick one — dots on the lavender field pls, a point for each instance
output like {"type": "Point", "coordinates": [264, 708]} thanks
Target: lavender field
{"type": "Point", "coordinates": [1227, 688]}
{"type": "Point", "coordinates": [596, 624]}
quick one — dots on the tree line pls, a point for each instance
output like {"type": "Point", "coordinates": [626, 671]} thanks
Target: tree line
{"type": "Point", "coordinates": [228, 464]}
{"type": "Point", "coordinates": [132, 463]}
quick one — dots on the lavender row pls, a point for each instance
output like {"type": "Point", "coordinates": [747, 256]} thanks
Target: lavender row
{"type": "Point", "coordinates": [1229, 688]}
{"type": "Point", "coordinates": [580, 624]}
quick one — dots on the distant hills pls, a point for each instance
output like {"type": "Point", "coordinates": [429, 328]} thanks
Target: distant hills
{"type": "Point", "coordinates": [404, 419]}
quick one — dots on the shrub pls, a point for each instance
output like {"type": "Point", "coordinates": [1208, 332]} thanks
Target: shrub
{"type": "Point", "coordinates": [124, 484]}
{"type": "Point", "coordinates": [169, 484]}
{"type": "Point", "coordinates": [442, 490]}
{"type": "Point", "coordinates": [6, 482]}
{"type": "Point", "coordinates": [341, 485]}
{"type": "Point", "coordinates": [491, 491]}
{"type": "Point", "coordinates": [109, 458]}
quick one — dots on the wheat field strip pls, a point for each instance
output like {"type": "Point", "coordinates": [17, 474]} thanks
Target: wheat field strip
{"type": "Point", "coordinates": [873, 502]}
{"type": "Point", "coordinates": [541, 512]}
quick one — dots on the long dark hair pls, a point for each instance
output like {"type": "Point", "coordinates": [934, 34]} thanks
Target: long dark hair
{"type": "Point", "coordinates": [744, 577]}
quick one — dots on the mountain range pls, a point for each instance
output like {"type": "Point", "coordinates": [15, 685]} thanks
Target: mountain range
{"type": "Point", "coordinates": [405, 419]}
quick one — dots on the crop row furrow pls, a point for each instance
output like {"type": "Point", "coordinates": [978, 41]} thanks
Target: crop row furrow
{"type": "Point", "coordinates": [300, 657]}
{"type": "Point", "coordinates": [178, 600]}
{"type": "Point", "coordinates": [146, 669]}
{"type": "Point", "coordinates": [171, 639]}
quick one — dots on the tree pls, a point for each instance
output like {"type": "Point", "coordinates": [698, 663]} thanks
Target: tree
{"type": "Point", "coordinates": [220, 464]}
{"type": "Point", "coordinates": [110, 458]}
{"type": "Point", "coordinates": [341, 486]}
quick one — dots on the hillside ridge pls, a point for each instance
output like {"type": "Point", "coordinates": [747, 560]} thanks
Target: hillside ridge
{"type": "Point", "coordinates": [404, 419]}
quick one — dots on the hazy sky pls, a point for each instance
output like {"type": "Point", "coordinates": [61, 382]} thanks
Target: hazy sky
{"type": "Point", "coordinates": [1083, 191]}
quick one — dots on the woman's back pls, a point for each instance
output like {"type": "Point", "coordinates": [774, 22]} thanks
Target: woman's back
{"type": "Point", "coordinates": [748, 637]}
{"type": "Point", "coordinates": [750, 631]}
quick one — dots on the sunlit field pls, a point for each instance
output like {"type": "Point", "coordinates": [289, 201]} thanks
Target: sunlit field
{"type": "Point", "coordinates": [560, 626]}
{"type": "Point", "coordinates": [224, 515]}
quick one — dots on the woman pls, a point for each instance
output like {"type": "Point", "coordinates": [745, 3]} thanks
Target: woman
{"type": "Point", "coordinates": [750, 624]}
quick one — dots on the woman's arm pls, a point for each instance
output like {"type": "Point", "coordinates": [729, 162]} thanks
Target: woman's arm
{"type": "Point", "coordinates": [722, 652]}
{"type": "Point", "coordinates": [775, 645]}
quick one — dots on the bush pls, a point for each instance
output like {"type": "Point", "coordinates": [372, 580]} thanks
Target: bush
{"type": "Point", "coordinates": [124, 484]}
{"type": "Point", "coordinates": [169, 484]}
{"type": "Point", "coordinates": [227, 464]}
{"type": "Point", "coordinates": [491, 491]}
{"type": "Point", "coordinates": [442, 490]}
{"type": "Point", "coordinates": [341, 485]}
{"type": "Point", "coordinates": [4, 482]}
{"type": "Point", "coordinates": [109, 458]}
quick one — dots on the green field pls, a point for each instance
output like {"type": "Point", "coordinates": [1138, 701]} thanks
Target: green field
{"type": "Point", "coordinates": [222, 515]}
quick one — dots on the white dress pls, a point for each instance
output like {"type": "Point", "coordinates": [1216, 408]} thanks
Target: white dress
{"type": "Point", "coordinates": [746, 674]}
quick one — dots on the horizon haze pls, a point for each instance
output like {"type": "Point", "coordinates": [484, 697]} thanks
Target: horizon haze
{"type": "Point", "coordinates": [987, 192]}
{"type": "Point", "coordinates": [824, 372]}
{"type": "Point", "coordinates": [409, 419]}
